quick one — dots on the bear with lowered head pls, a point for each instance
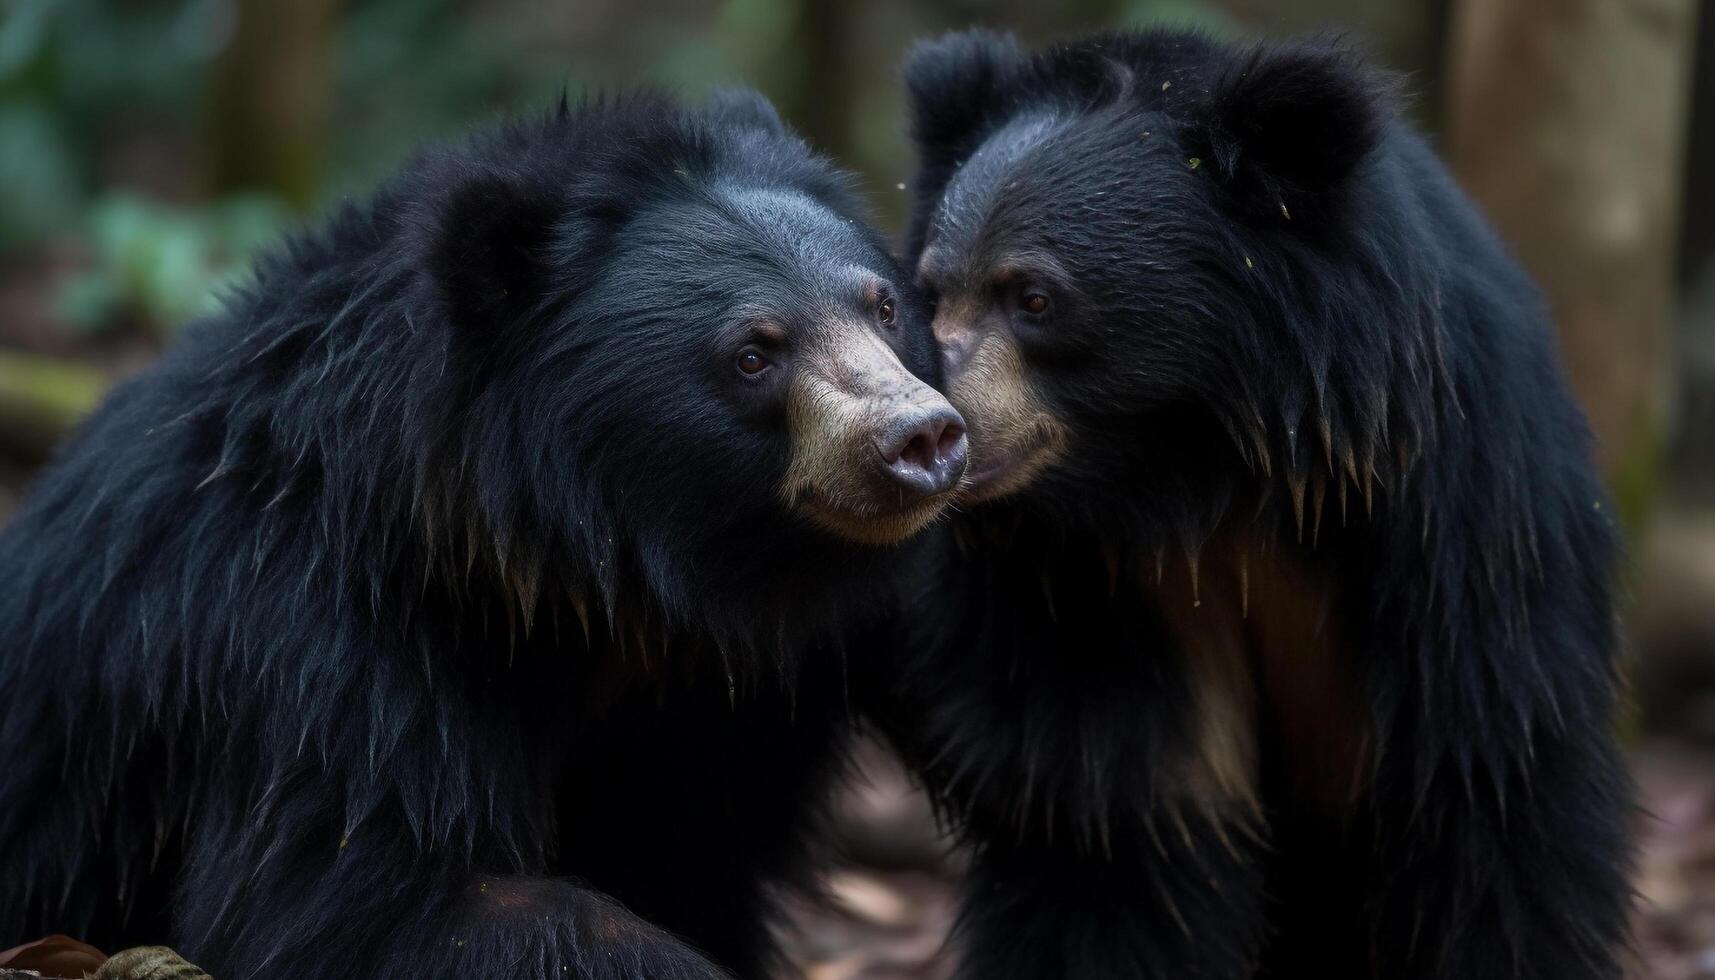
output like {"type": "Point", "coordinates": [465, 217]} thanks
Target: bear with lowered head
{"type": "Point", "coordinates": [449, 605]}
{"type": "Point", "coordinates": [1278, 635]}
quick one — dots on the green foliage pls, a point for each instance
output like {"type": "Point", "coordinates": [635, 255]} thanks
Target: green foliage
{"type": "Point", "coordinates": [411, 70]}
{"type": "Point", "coordinates": [68, 70]}
{"type": "Point", "coordinates": [39, 194]}
{"type": "Point", "coordinates": [1182, 13]}
{"type": "Point", "coordinates": [105, 107]}
{"type": "Point", "coordinates": [164, 265]}
{"type": "Point", "coordinates": [41, 398]}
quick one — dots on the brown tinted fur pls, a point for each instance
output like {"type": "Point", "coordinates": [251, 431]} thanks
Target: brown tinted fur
{"type": "Point", "coordinates": [1004, 413]}
{"type": "Point", "coordinates": [1256, 622]}
{"type": "Point", "coordinates": [1202, 604]}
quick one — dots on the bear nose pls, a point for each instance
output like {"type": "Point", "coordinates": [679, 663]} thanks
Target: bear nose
{"type": "Point", "coordinates": [925, 453]}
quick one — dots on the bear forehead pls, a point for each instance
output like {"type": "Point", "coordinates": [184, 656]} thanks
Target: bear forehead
{"type": "Point", "coordinates": [770, 253]}
{"type": "Point", "coordinates": [828, 257]}
{"type": "Point", "coordinates": [794, 223]}
{"type": "Point", "coordinates": [977, 185]}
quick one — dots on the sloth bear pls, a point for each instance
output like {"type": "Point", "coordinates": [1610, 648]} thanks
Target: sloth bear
{"type": "Point", "coordinates": [467, 577]}
{"type": "Point", "coordinates": [1279, 634]}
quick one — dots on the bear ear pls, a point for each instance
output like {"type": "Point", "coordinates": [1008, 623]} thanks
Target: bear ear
{"type": "Point", "coordinates": [487, 256]}
{"type": "Point", "coordinates": [956, 83]}
{"type": "Point", "coordinates": [744, 109]}
{"type": "Point", "coordinates": [1288, 127]}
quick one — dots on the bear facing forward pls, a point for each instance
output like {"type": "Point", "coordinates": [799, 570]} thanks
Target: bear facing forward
{"type": "Point", "coordinates": [1279, 632]}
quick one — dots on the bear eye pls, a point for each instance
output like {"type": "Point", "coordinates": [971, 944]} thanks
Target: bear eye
{"type": "Point", "coordinates": [884, 311]}
{"type": "Point", "coordinates": [751, 363]}
{"type": "Point", "coordinates": [1033, 302]}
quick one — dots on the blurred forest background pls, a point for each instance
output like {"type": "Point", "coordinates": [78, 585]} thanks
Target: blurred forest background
{"type": "Point", "coordinates": [147, 147]}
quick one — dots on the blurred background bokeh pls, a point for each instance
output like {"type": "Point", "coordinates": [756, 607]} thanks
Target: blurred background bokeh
{"type": "Point", "coordinates": [147, 147]}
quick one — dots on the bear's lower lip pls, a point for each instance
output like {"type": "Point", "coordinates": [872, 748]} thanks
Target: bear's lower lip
{"type": "Point", "coordinates": [989, 476]}
{"type": "Point", "coordinates": [877, 526]}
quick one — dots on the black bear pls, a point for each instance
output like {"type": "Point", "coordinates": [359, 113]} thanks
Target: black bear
{"type": "Point", "coordinates": [1279, 633]}
{"type": "Point", "coordinates": [449, 605]}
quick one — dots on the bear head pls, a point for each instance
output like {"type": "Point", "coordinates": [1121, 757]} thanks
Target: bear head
{"type": "Point", "coordinates": [1150, 264]}
{"type": "Point", "coordinates": [687, 365]}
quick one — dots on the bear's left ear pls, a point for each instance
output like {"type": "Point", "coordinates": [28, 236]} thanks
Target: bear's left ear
{"type": "Point", "coordinates": [745, 109]}
{"type": "Point", "coordinates": [488, 247]}
{"type": "Point", "coordinates": [956, 87]}
{"type": "Point", "coordinates": [957, 84]}
{"type": "Point", "coordinates": [1287, 128]}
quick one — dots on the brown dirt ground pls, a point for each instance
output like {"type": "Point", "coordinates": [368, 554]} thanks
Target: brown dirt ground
{"type": "Point", "coordinates": [886, 922]}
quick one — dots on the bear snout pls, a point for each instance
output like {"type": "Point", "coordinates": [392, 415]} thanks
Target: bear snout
{"type": "Point", "coordinates": [924, 452]}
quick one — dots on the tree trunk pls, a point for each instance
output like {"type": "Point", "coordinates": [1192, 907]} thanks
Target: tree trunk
{"type": "Point", "coordinates": [270, 99]}
{"type": "Point", "coordinates": [1566, 121]}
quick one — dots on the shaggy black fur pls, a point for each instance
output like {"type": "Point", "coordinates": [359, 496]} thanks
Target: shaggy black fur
{"type": "Point", "coordinates": [1296, 651]}
{"type": "Point", "coordinates": [442, 587]}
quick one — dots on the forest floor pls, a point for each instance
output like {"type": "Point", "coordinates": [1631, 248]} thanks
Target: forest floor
{"type": "Point", "coordinates": [888, 909]}
{"type": "Point", "coordinates": [1676, 861]}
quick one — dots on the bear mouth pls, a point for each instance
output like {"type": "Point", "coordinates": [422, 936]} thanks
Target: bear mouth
{"type": "Point", "coordinates": [1015, 463]}
{"type": "Point", "coordinates": [869, 523]}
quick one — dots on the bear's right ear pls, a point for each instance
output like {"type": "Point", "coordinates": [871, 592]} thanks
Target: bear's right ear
{"type": "Point", "coordinates": [487, 253]}
{"type": "Point", "coordinates": [956, 84]}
